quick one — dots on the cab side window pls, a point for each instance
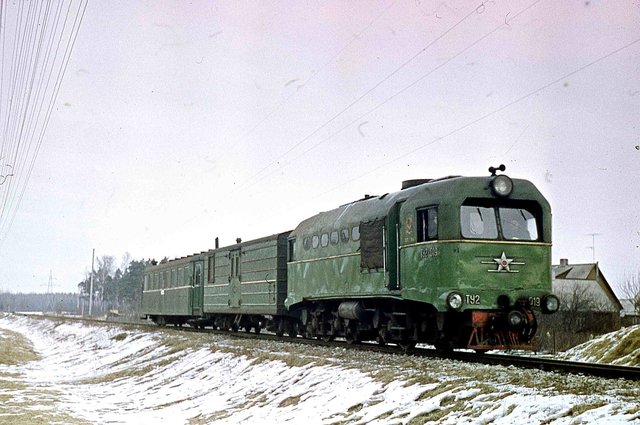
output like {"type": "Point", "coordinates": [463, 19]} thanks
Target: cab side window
{"type": "Point", "coordinates": [427, 224]}
{"type": "Point", "coordinates": [292, 249]}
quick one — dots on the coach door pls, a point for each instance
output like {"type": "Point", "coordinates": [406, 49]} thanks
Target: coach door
{"type": "Point", "coordinates": [234, 279]}
{"type": "Point", "coordinates": [393, 247]}
{"type": "Point", "coordinates": [198, 287]}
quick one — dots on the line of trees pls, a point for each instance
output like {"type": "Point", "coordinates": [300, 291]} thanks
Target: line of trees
{"type": "Point", "coordinates": [53, 302]}
{"type": "Point", "coordinates": [116, 290]}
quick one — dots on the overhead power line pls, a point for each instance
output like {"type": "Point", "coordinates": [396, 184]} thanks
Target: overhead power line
{"type": "Point", "coordinates": [36, 40]}
{"type": "Point", "coordinates": [476, 10]}
{"type": "Point", "coordinates": [491, 113]}
{"type": "Point", "coordinates": [401, 91]}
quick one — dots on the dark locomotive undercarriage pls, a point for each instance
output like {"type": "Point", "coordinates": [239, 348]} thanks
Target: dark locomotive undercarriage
{"type": "Point", "coordinates": [386, 321]}
{"type": "Point", "coordinates": [406, 324]}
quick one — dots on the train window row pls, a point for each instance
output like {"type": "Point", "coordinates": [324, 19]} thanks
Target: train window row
{"type": "Point", "coordinates": [323, 240]}
{"type": "Point", "coordinates": [166, 279]}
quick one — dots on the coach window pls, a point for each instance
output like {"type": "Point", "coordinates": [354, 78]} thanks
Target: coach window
{"type": "Point", "coordinates": [324, 240]}
{"type": "Point", "coordinates": [198, 277]}
{"type": "Point", "coordinates": [355, 233]}
{"type": "Point", "coordinates": [212, 269]}
{"type": "Point", "coordinates": [344, 235]}
{"type": "Point", "coordinates": [292, 249]}
{"type": "Point", "coordinates": [334, 237]}
{"type": "Point", "coordinates": [427, 224]}
{"type": "Point", "coordinates": [315, 241]}
{"type": "Point", "coordinates": [306, 243]}
{"type": "Point", "coordinates": [146, 282]}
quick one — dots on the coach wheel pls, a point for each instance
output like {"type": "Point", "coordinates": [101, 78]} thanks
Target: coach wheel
{"type": "Point", "coordinates": [257, 328]}
{"type": "Point", "coordinates": [292, 329]}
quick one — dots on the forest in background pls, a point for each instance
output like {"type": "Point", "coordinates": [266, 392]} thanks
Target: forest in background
{"type": "Point", "coordinates": [117, 290]}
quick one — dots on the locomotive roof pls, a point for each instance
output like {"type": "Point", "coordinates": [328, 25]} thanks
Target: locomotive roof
{"type": "Point", "coordinates": [451, 190]}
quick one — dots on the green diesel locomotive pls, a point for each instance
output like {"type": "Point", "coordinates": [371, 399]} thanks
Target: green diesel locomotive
{"type": "Point", "coordinates": [458, 262]}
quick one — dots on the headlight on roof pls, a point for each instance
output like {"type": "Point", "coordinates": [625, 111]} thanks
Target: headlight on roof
{"type": "Point", "coordinates": [454, 301]}
{"type": "Point", "coordinates": [502, 185]}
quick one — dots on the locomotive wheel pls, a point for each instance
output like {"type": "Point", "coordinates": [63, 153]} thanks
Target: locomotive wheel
{"type": "Point", "coordinates": [351, 334]}
{"type": "Point", "coordinates": [407, 345]}
{"type": "Point", "coordinates": [351, 338]}
{"type": "Point", "coordinates": [325, 338]}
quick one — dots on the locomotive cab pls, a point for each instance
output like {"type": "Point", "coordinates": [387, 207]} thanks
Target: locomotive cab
{"type": "Point", "coordinates": [489, 269]}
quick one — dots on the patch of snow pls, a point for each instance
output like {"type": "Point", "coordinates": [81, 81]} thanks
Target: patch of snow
{"type": "Point", "coordinates": [125, 375]}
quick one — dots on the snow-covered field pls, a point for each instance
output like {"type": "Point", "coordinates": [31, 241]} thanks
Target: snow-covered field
{"type": "Point", "coordinates": [71, 373]}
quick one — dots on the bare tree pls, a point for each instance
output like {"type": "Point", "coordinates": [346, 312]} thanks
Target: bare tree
{"type": "Point", "coordinates": [630, 289]}
{"type": "Point", "coordinates": [583, 313]}
{"type": "Point", "coordinates": [126, 260]}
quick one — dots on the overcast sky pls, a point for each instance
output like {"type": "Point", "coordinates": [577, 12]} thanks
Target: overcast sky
{"type": "Point", "coordinates": [178, 122]}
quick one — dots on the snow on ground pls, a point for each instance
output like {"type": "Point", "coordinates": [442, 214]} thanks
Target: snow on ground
{"type": "Point", "coordinates": [74, 373]}
{"type": "Point", "coordinates": [620, 348]}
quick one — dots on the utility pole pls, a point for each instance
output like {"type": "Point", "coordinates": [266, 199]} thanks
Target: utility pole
{"type": "Point", "coordinates": [49, 307]}
{"type": "Point", "coordinates": [93, 254]}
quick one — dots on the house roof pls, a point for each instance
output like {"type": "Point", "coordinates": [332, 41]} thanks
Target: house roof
{"type": "Point", "coordinates": [575, 271]}
{"type": "Point", "coordinates": [585, 272]}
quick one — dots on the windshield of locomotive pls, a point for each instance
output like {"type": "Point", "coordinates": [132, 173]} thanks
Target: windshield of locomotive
{"type": "Point", "coordinates": [482, 222]}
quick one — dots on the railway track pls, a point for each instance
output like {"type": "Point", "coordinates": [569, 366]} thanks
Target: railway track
{"type": "Point", "coordinates": [525, 362]}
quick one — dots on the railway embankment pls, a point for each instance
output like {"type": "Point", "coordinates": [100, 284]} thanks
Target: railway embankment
{"type": "Point", "coordinates": [58, 371]}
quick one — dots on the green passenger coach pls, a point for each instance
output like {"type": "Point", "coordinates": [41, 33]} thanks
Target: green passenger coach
{"type": "Point", "coordinates": [239, 286]}
{"type": "Point", "coordinates": [456, 262]}
{"type": "Point", "coordinates": [173, 290]}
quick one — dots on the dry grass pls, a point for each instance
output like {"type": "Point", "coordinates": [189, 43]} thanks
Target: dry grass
{"type": "Point", "coordinates": [581, 408]}
{"type": "Point", "coordinates": [15, 349]}
{"type": "Point", "coordinates": [629, 345]}
{"type": "Point", "coordinates": [290, 401]}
